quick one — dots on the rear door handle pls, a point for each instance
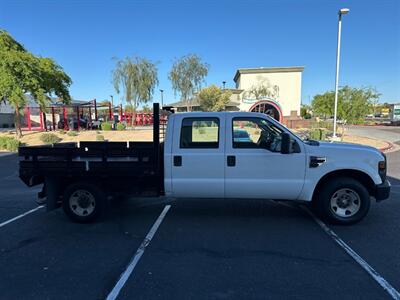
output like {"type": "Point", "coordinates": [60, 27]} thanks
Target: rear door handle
{"type": "Point", "coordinates": [231, 160]}
{"type": "Point", "coordinates": [177, 161]}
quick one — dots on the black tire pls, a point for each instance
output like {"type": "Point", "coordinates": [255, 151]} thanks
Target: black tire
{"type": "Point", "coordinates": [330, 206]}
{"type": "Point", "coordinates": [81, 197]}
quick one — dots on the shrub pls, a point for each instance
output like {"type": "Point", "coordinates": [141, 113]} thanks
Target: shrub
{"type": "Point", "coordinates": [120, 126]}
{"type": "Point", "coordinates": [99, 138]}
{"type": "Point", "coordinates": [9, 143]}
{"type": "Point", "coordinates": [13, 144]}
{"type": "Point", "coordinates": [106, 126]}
{"type": "Point", "coordinates": [62, 131]}
{"type": "Point", "coordinates": [72, 133]}
{"type": "Point", "coordinates": [49, 138]}
{"type": "Point", "coordinates": [318, 134]}
{"type": "Point", "coordinates": [3, 142]}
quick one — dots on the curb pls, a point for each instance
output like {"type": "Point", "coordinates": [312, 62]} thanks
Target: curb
{"type": "Point", "coordinates": [388, 147]}
{"type": "Point", "coordinates": [3, 154]}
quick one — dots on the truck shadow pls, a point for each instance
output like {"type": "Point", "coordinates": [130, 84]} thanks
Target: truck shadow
{"type": "Point", "coordinates": [212, 208]}
{"type": "Point", "coordinates": [224, 208]}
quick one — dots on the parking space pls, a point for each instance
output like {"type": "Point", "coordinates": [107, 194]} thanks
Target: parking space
{"type": "Point", "coordinates": [226, 249]}
{"type": "Point", "coordinates": [236, 250]}
{"type": "Point", "coordinates": [46, 256]}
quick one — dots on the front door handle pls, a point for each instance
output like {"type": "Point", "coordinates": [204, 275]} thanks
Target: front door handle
{"type": "Point", "coordinates": [231, 160]}
{"type": "Point", "coordinates": [177, 161]}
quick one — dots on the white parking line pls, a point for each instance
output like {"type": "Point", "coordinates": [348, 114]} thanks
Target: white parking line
{"type": "Point", "coordinates": [10, 176]}
{"type": "Point", "coordinates": [20, 216]}
{"type": "Point", "coordinates": [131, 266]}
{"type": "Point", "coordinates": [371, 271]}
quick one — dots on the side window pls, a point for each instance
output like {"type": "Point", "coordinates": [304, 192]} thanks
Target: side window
{"type": "Point", "coordinates": [255, 133]}
{"type": "Point", "coordinates": [199, 133]}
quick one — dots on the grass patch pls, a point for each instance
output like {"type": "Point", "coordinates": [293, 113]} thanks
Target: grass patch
{"type": "Point", "coordinates": [49, 138]}
{"type": "Point", "coordinates": [100, 138]}
{"type": "Point", "coordinates": [72, 133]}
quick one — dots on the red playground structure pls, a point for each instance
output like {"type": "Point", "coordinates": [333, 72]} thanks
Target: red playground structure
{"type": "Point", "coordinates": [80, 115]}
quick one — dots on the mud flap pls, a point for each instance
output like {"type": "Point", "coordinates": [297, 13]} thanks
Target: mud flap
{"type": "Point", "coordinates": [52, 190]}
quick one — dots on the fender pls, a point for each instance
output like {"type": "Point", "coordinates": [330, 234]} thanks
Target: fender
{"type": "Point", "coordinates": [311, 185]}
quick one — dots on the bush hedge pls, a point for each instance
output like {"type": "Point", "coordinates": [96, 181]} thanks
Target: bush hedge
{"type": "Point", "coordinates": [318, 134]}
{"type": "Point", "coordinates": [49, 138]}
{"type": "Point", "coordinates": [9, 143]}
{"type": "Point", "coordinates": [106, 126]}
{"type": "Point", "coordinates": [120, 126]}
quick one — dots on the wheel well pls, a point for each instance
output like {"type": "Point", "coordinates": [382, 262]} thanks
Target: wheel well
{"type": "Point", "coordinates": [360, 176]}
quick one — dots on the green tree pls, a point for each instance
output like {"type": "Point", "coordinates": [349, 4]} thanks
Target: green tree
{"type": "Point", "coordinates": [353, 104]}
{"type": "Point", "coordinates": [23, 73]}
{"type": "Point", "coordinates": [136, 78]}
{"type": "Point", "coordinates": [212, 98]}
{"type": "Point", "coordinates": [187, 75]}
{"type": "Point", "coordinates": [305, 111]}
{"type": "Point", "coordinates": [146, 109]}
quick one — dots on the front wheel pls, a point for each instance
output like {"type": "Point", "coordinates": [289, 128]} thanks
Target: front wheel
{"type": "Point", "coordinates": [342, 201]}
{"type": "Point", "coordinates": [83, 202]}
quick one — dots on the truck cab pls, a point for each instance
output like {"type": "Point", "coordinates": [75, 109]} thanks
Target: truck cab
{"type": "Point", "coordinates": [205, 157]}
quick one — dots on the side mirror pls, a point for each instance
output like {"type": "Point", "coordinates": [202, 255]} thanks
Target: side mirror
{"type": "Point", "coordinates": [286, 143]}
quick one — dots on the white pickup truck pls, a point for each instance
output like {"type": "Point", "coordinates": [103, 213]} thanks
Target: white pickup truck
{"type": "Point", "coordinates": [210, 155]}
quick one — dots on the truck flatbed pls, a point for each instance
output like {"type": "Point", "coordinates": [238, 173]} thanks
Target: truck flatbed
{"type": "Point", "coordinates": [88, 159]}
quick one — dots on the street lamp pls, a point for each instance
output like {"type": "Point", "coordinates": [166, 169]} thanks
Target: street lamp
{"type": "Point", "coordinates": [162, 98]}
{"type": "Point", "coordinates": [112, 100]}
{"type": "Point", "coordinates": [223, 84]}
{"type": "Point", "coordinates": [341, 12]}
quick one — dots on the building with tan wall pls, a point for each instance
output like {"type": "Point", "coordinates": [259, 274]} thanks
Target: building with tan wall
{"type": "Point", "coordinates": [275, 91]}
{"type": "Point", "coordinates": [280, 89]}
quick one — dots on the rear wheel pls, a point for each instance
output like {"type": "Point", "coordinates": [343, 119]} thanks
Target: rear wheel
{"type": "Point", "coordinates": [342, 201]}
{"type": "Point", "coordinates": [83, 202]}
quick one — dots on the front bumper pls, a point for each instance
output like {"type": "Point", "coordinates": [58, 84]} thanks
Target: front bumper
{"type": "Point", "coordinates": [382, 191]}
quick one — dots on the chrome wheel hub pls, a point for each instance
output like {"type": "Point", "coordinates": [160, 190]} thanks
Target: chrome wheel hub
{"type": "Point", "coordinates": [82, 203]}
{"type": "Point", "coordinates": [345, 203]}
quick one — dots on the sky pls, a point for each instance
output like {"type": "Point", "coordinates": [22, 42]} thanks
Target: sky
{"type": "Point", "coordinates": [84, 36]}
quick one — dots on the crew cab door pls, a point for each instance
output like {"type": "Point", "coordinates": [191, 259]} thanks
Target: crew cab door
{"type": "Point", "coordinates": [254, 166]}
{"type": "Point", "coordinates": [198, 156]}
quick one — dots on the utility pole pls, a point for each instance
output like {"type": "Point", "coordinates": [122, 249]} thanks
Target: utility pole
{"type": "Point", "coordinates": [162, 98]}
{"type": "Point", "coordinates": [341, 12]}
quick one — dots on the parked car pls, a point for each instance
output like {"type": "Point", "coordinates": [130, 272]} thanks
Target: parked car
{"type": "Point", "coordinates": [200, 158]}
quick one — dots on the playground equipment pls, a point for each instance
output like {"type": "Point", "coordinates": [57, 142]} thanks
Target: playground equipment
{"type": "Point", "coordinates": [61, 116]}
{"type": "Point", "coordinates": [77, 116]}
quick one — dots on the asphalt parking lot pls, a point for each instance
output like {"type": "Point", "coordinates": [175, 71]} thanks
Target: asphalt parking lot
{"type": "Point", "coordinates": [202, 249]}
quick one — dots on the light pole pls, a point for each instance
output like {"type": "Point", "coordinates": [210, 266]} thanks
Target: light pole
{"type": "Point", "coordinates": [223, 84]}
{"type": "Point", "coordinates": [112, 100]}
{"type": "Point", "coordinates": [341, 12]}
{"type": "Point", "coordinates": [162, 98]}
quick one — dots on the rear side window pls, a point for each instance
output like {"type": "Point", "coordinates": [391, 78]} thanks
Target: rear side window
{"type": "Point", "coordinates": [199, 133]}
